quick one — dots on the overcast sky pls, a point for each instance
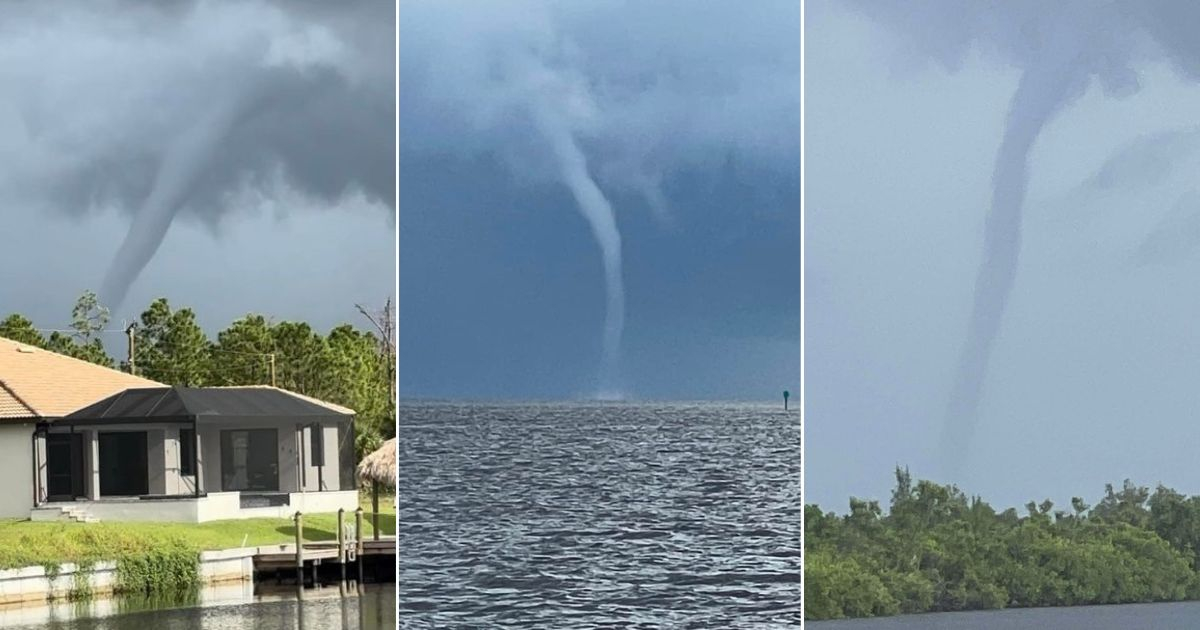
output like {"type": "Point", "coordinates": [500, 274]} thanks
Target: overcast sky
{"type": "Point", "coordinates": [259, 135]}
{"type": "Point", "coordinates": [1092, 374]}
{"type": "Point", "coordinates": [686, 119]}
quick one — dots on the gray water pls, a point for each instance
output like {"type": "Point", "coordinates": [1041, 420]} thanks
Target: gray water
{"type": "Point", "coordinates": [323, 609]}
{"type": "Point", "coordinates": [1168, 616]}
{"type": "Point", "coordinates": [599, 515]}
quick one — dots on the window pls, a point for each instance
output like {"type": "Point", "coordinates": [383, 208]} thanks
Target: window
{"type": "Point", "coordinates": [187, 451]}
{"type": "Point", "coordinates": [317, 444]}
{"type": "Point", "coordinates": [250, 460]}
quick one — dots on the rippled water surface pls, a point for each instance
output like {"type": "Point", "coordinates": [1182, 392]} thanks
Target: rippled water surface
{"type": "Point", "coordinates": [595, 515]}
{"type": "Point", "coordinates": [323, 609]}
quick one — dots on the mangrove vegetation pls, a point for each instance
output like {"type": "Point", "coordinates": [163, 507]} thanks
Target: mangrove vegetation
{"type": "Point", "coordinates": [935, 549]}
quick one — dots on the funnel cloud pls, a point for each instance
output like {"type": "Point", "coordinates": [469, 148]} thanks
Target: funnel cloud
{"type": "Point", "coordinates": [599, 214]}
{"type": "Point", "coordinates": [1005, 283]}
{"type": "Point", "coordinates": [177, 173]}
{"type": "Point", "coordinates": [670, 128]}
{"type": "Point", "coordinates": [195, 111]}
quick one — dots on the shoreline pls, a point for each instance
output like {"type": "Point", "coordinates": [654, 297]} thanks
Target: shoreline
{"type": "Point", "coordinates": [34, 584]}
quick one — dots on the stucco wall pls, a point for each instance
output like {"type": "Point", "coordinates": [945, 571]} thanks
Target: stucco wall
{"type": "Point", "coordinates": [314, 502]}
{"type": "Point", "coordinates": [16, 469]}
{"type": "Point", "coordinates": [156, 460]}
{"type": "Point", "coordinates": [168, 510]}
{"type": "Point", "coordinates": [175, 483]}
{"type": "Point", "coordinates": [316, 479]}
{"type": "Point", "coordinates": [289, 474]}
{"type": "Point", "coordinates": [219, 506]}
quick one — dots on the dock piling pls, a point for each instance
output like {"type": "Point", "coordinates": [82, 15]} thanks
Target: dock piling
{"type": "Point", "coordinates": [375, 509]}
{"type": "Point", "coordinates": [299, 518]}
{"type": "Point", "coordinates": [358, 541]}
{"type": "Point", "coordinates": [341, 533]}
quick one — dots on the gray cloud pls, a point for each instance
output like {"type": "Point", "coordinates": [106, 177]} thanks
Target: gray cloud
{"type": "Point", "coordinates": [166, 110]}
{"type": "Point", "coordinates": [1175, 236]}
{"type": "Point", "coordinates": [603, 98]}
{"type": "Point", "coordinates": [646, 87]}
{"type": "Point", "coordinates": [1059, 48]}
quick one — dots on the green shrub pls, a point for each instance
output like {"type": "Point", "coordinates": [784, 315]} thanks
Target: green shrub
{"type": "Point", "coordinates": [174, 568]}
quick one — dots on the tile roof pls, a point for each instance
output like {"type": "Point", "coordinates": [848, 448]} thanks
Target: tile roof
{"type": "Point", "coordinates": [12, 407]}
{"type": "Point", "coordinates": [36, 383]}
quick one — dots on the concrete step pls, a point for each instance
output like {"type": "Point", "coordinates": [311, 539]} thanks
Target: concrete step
{"type": "Point", "coordinates": [70, 514]}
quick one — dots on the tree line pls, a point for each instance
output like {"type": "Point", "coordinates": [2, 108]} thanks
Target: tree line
{"type": "Point", "coordinates": [937, 550]}
{"type": "Point", "coordinates": [347, 366]}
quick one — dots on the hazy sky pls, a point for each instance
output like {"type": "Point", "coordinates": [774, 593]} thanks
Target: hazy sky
{"type": "Point", "coordinates": [1092, 375]}
{"type": "Point", "coordinates": [259, 135]}
{"type": "Point", "coordinates": [686, 117]}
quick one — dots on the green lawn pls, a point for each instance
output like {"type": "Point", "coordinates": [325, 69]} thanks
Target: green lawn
{"type": "Point", "coordinates": [25, 543]}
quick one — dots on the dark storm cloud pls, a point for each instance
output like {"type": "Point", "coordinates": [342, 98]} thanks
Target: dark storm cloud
{"type": "Point", "coordinates": [645, 87]}
{"type": "Point", "coordinates": [164, 110]}
{"type": "Point", "coordinates": [607, 100]}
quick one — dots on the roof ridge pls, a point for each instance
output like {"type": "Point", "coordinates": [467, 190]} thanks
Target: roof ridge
{"type": "Point", "coordinates": [71, 358]}
{"type": "Point", "coordinates": [311, 399]}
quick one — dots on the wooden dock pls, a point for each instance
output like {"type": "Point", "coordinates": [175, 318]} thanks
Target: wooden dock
{"type": "Point", "coordinates": [275, 557]}
{"type": "Point", "coordinates": [350, 551]}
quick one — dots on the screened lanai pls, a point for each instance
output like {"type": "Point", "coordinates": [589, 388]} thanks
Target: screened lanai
{"type": "Point", "coordinates": [263, 443]}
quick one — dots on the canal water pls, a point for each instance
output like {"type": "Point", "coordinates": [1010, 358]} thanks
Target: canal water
{"type": "Point", "coordinates": [599, 515]}
{"type": "Point", "coordinates": [1166, 616]}
{"type": "Point", "coordinates": [227, 607]}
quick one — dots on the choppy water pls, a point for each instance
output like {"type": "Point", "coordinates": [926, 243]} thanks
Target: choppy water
{"type": "Point", "coordinates": [1168, 616]}
{"type": "Point", "coordinates": [595, 515]}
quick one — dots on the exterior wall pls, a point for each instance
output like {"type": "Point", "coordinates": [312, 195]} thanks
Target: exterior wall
{"type": "Point", "coordinates": [289, 459]}
{"type": "Point", "coordinates": [315, 479]}
{"type": "Point", "coordinates": [176, 483]}
{"type": "Point", "coordinates": [91, 464]}
{"type": "Point", "coordinates": [156, 460]}
{"type": "Point", "coordinates": [16, 469]}
{"type": "Point", "coordinates": [131, 510]}
{"type": "Point", "coordinates": [331, 457]}
{"type": "Point", "coordinates": [317, 502]}
{"type": "Point", "coordinates": [227, 505]}
{"type": "Point", "coordinates": [41, 468]}
{"type": "Point", "coordinates": [219, 506]}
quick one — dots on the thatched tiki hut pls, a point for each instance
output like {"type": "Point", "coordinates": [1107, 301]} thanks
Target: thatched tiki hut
{"type": "Point", "coordinates": [379, 468]}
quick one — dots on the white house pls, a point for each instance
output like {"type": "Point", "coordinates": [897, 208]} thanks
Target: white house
{"type": "Point", "coordinates": [85, 442]}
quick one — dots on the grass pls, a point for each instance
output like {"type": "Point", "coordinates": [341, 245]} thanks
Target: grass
{"type": "Point", "coordinates": [25, 543]}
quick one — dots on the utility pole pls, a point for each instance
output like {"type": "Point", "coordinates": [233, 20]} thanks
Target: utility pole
{"type": "Point", "coordinates": [271, 358]}
{"type": "Point", "coordinates": [130, 333]}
